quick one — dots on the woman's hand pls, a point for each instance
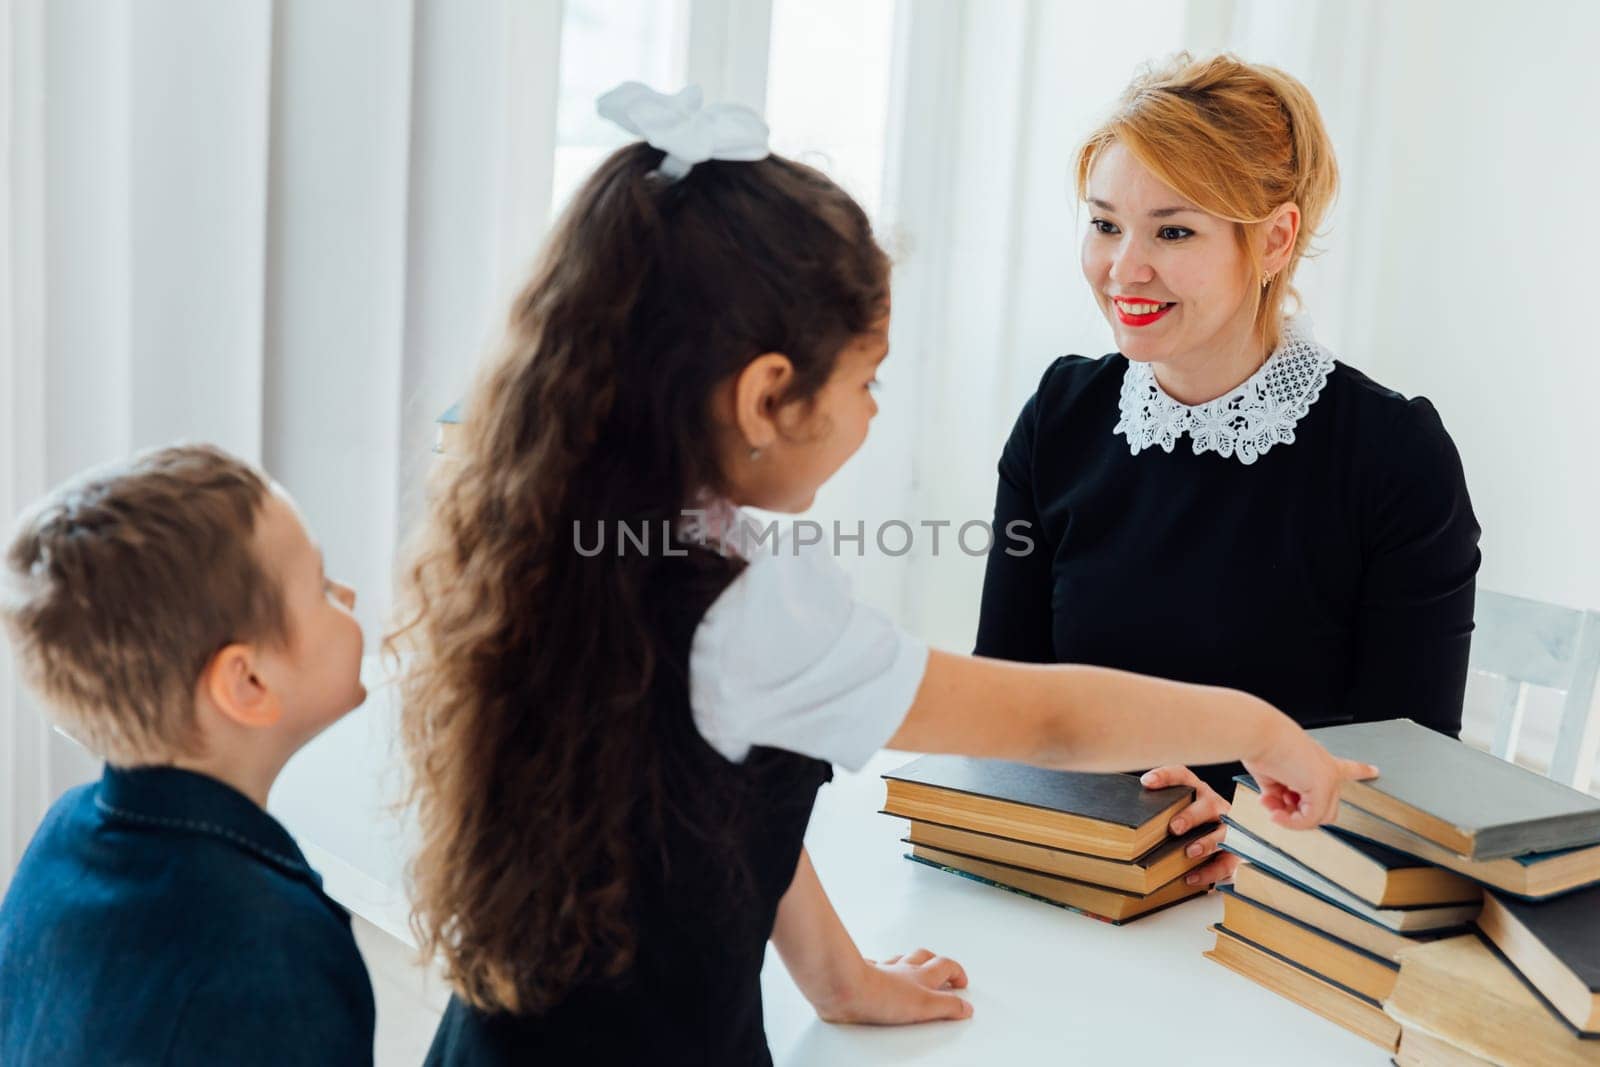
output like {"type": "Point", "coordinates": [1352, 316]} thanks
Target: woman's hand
{"type": "Point", "coordinates": [1299, 779]}
{"type": "Point", "coordinates": [1208, 806]}
{"type": "Point", "coordinates": [913, 988]}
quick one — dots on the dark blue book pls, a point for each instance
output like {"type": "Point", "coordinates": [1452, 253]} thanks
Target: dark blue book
{"type": "Point", "coordinates": [1110, 815]}
{"type": "Point", "coordinates": [1554, 946]}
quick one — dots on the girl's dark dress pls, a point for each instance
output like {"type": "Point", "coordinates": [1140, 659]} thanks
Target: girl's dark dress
{"type": "Point", "coordinates": [693, 995]}
{"type": "Point", "coordinates": [1332, 576]}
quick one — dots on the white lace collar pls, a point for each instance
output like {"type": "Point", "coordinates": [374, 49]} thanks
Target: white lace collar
{"type": "Point", "coordinates": [1245, 422]}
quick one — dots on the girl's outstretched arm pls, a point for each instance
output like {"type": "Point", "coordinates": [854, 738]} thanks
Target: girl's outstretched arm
{"type": "Point", "coordinates": [844, 987]}
{"type": "Point", "coordinates": [1097, 719]}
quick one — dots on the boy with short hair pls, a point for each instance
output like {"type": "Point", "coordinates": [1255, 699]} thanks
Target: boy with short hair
{"type": "Point", "coordinates": [174, 615]}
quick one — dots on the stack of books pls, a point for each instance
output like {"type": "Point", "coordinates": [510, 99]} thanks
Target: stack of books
{"type": "Point", "coordinates": [1097, 844]}
{"type": "Point", "coordinates": [1447, 903]}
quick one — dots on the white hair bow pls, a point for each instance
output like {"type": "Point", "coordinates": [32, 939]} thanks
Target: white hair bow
{"type": "Point", "coordinates": [685, 131]}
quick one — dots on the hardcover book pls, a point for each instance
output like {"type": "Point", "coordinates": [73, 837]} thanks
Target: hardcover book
{"type": "Point", "coordinates": [1339, 961]}
{"type": "Point", "coordinates": [1554, 946]}
{"type": "Point", "coordinates": [1283, 895]}
{"type": "Point", "coordinates": [1412, 920]}
{"type": "Point", "coordinates": [1508, 811]}
{"type": "Point", "coordinates": [1109, 815]}
{"type": "Point", "coordinates": [1418, 1048]}
{"type": "Point", "coordinates": [1359, 1014]}
{"type": "Point", "coordinates": [1112, 905]}
{"type": "Point", "coordinates": [1460, 991]}
{"type": "Point", "coordinates": [1146, 874]}
{"type": "Point", "coordinates": [1535, 876]}
{"type": "Point", "coordinates": [1376, 873]}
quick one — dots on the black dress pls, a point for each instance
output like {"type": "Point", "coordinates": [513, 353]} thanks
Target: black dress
{"type": "Point", "coordinates": [703, 906]}
{"type": "Point", "coordinates": [1333, 576]}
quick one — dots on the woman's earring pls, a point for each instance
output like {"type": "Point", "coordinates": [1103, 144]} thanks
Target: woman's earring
{"type": "Point", "coordinates": [755, 453]}
{"type": "Point", "coordinates": [1266, 278]}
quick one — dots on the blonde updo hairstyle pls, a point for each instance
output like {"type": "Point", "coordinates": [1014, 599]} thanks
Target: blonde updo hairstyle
{"type": "Point", "coordinates": [1236, 139]}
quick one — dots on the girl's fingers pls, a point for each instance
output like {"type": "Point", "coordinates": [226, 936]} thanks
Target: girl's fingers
{"type": "Point", "coordinates": [1307, 814]}
{"type": "Point", "coordinates": [1277, 798]}
{"type": "Point", "coordinates": [940, 972]}
{"type": "Point", "coordinates": [921, 955]}
{"type": "Point", "coordinates": [889, 961]}
{"type": "Point", "coordinates": [937, 1004]}
{"type": "Point", "coordinates": [1350, 768]}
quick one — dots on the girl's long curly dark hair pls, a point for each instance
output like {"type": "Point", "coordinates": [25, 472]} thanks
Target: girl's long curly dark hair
{"type": "Point", "coordinates": [526, 713]}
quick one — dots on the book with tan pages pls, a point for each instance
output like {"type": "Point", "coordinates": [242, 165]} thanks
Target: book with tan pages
{"type": "Point", "coordinates": [1508, 811]}
{"type": "Point", "coordinates": [1360, 1015]}
{"type": "Point", "coordinates": [1109, 815]}
{"type": "Point", "coordinates": [1095, 901]}
{"type": "Point", "coordinates": [1554, 947]}
{"type": "Point", "coordinates": [1461, 992]}
{"type": "Point", "coordinates": [1339, 961]}
{"type": "Point", "coordinates": [1376, 873]}
{"type": "Point", "coordinates": [1534, 875]}
{"type": "Point", "coordinates": [1283, 895]}
{"type": "Point", "coordinates": [1409, 921]}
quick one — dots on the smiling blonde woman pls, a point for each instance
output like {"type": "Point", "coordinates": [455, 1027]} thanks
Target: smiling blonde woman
{"type": "Point", "coordinates": [1221, 500]}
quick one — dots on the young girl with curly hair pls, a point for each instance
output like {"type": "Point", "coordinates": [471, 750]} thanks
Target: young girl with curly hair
{"type": "Point", "coordinates": [615, 751]}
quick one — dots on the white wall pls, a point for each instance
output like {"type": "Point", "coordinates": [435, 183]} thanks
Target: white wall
{"type": "Point", "coordinates": [1487, 273]}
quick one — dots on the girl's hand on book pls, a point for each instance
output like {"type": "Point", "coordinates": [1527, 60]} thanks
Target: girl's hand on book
{"type": "Point", "coordinates": [1300, 780]}
{"type": "Point", "coordinates": [1208, 806]}
{"type": "Point", "coordinates": [912, 988]}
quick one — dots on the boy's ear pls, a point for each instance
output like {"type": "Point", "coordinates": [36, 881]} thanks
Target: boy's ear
{"type": "Point", "coordinates": [231, 682]}
{"type": "Point", "coordinates": [756, 395]}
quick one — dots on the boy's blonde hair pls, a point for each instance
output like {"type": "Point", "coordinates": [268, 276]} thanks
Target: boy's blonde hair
{"type": "Point", "coordinates": [123, 583]}
{"type": "Point", "coordinates": [1237, 140]}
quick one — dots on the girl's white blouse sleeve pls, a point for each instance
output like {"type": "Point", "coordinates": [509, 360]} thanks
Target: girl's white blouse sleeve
{"type": "Point", "coordinates": [787, 658]}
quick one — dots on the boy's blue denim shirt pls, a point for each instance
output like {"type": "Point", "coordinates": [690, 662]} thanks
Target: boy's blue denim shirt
{"type": "Point", "coordinates": [161, 917]}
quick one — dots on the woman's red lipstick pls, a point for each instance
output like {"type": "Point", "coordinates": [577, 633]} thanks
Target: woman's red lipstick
{"type": "Point", "coordinates": [1140, 320]}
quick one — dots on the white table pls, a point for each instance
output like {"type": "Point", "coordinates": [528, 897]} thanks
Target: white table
{"type": "Point", "coordinates": [1047, 985]}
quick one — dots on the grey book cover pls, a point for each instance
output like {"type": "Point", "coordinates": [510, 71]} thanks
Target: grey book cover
{"type": "Point", "coordinates": [1117, 799]}
{"type": "Point", "coordinates": [1505, 810]}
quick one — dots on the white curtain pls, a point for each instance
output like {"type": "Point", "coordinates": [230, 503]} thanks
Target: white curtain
{"type": "Point", "coordinates": [990, 99]}
{"type": "Point", "coordinates": [25, 741]}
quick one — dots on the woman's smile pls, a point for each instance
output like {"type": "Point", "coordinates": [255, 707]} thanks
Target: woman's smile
{"type": "Point", "coordinates": [1137, 311]}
